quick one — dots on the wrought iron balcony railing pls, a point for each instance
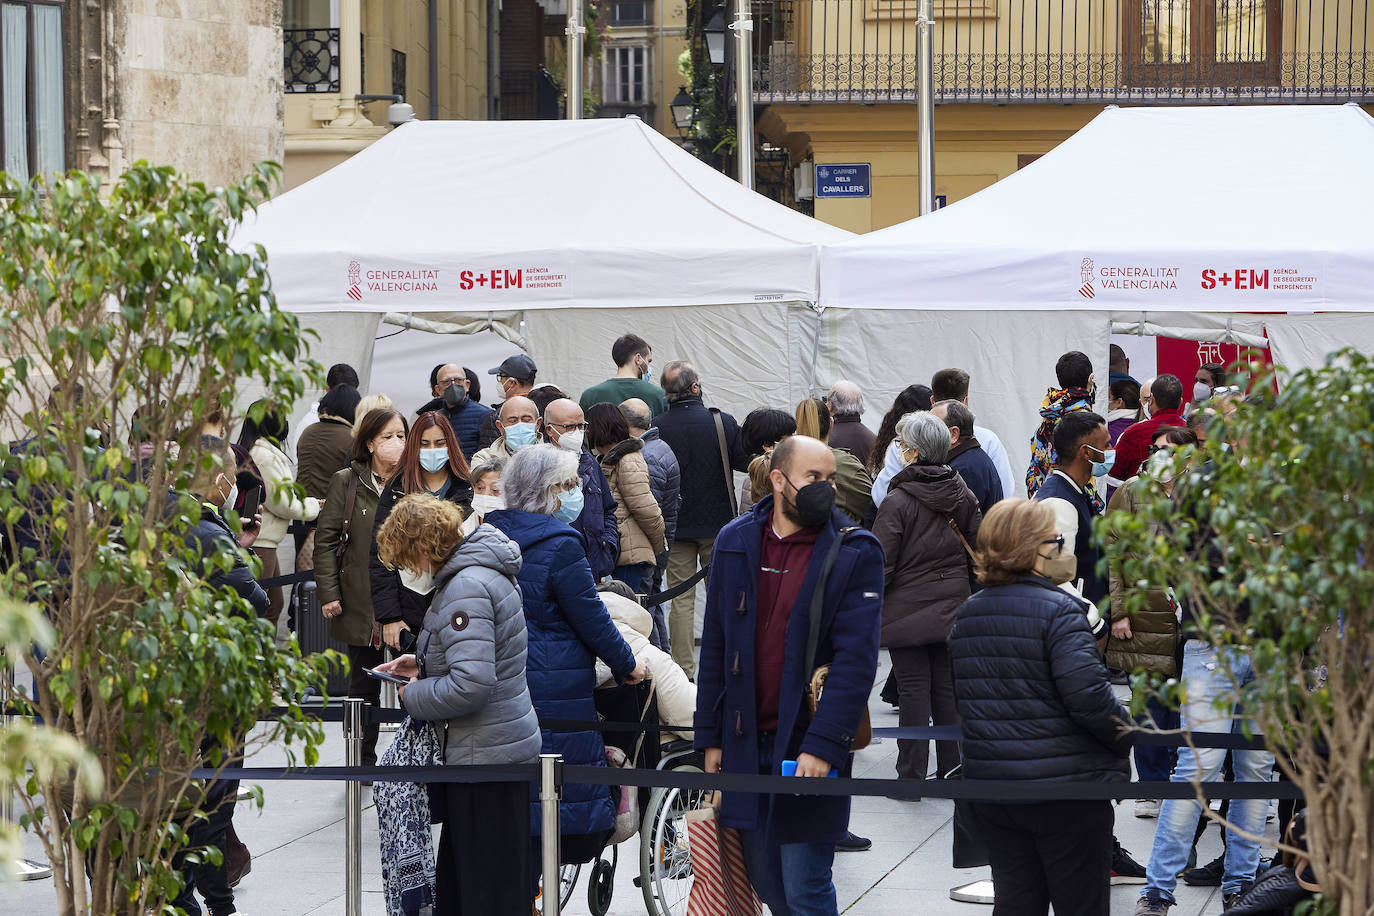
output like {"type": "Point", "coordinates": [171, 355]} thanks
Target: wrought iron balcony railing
{"type": "Point", "coordinates": [1063, 51]}
{"type": "Point", "coordinates": [311, 60]}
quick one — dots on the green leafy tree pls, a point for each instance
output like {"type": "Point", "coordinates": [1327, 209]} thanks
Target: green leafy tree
{"type": "Point", "coordinates": [1269, 535]}
{"type": "Point", "coordinates": [126, 320]}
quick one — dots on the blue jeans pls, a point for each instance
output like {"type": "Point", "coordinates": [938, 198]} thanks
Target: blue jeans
{"type": "Point", "coordinates": [635, 575]}
{"type": "Point", "coordinates": [1204, 679]}
{"type": "Point", "coordinates": [793, 879]}
{"type": "Point", "coordinates": [1155, 762]}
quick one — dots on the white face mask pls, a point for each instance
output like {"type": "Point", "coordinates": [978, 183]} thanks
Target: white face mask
{"type": "Point", "coordinates": [233, 499]}
{"type": "Point", "coordinates": [1201, 391]}
{"type": "Point", "coordinates": [1161, 466]}
{"type": "Point", "coordinates": [421, 583]}
{"type": "Point", "coordinates": [572, 442]}
{"type": "Point", "coordinates": [483, 503]}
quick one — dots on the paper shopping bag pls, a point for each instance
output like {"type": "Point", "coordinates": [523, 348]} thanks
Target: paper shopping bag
{"type": "Point", "coordinates": [720, 884]}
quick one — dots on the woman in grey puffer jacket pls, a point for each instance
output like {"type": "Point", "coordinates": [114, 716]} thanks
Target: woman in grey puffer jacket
{"type": "Point", "coordinates": [468, 676]}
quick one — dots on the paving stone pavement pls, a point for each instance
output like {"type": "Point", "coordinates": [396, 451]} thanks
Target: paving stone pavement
{"type": "Point", "coordinates": [298, 854]}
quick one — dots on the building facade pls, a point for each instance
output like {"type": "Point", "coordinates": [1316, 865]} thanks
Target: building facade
{"type": "Point", "coordinates": [638, 71]}
{"type": "Point", "coordinates": [441, 56]}
{"type": "Point", "coordinates": [96, 86]}
{"type": "Point", "coordinates": [835, 80]}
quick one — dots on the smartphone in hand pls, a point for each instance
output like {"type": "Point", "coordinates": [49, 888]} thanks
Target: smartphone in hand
{"type": "Point", "coordinates": [386, 676]}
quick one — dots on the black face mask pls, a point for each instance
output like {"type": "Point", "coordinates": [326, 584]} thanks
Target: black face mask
{"type": "Point", "coordinates": [814, 503]}
{"type": "Point", "coordinates": [455, 395]}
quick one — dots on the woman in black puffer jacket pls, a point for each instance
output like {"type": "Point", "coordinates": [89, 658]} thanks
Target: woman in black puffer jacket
{"type": "Point", "coordinates": [1036, 705]}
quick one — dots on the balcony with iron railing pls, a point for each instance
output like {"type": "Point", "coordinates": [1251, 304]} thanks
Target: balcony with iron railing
{"type": "Point", "coordinates": [311, 60]}
{"type": "Point", "coordinates": [1066, 51]}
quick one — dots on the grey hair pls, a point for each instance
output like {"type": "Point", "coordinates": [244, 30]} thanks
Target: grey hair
{"type": "Point", "coordinates": [927, 435]}
{"type": "Point", "coordinates": [846, 400]}
{"type": "Point", "coordinates": [532, 477]}
{"type": "Point", "coordinates": [678, 378]}
{"type": "Point", "coordinates": [493, 464]}
{"type": "Point", "coordinates": [957, 416]}
{"type": "Point", "coordinates": [635, 419]}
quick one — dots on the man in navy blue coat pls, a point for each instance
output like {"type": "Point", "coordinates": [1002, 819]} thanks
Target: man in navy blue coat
{"type": "Point", "coordinates": [966, 454]}
{"type": "Point", "coordinates": [751, 711]}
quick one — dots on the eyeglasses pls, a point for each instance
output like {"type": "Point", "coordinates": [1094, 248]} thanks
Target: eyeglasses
{"type": "Point", "coordinates": [1158, 448]}
{"type": "Point", "coordinates": [445, 382]}
{"type": "Point", "coordinates": [1059, 541]}
{"type": "Point", "coordinates": [567, 426]}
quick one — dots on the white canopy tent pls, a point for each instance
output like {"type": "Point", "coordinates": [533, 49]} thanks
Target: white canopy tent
{"type": "Point", "coordinates": [560, 236]}
{"type": "Point", "coordinates": [1168, 221]}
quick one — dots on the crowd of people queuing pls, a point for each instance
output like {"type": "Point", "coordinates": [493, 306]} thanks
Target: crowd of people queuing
{"type": "Point", "coordinates": [497, 558]}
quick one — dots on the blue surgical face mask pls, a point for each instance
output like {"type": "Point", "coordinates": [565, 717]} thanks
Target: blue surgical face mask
{"type": "Point", "coordinates": [433, 459]}
{"type": "Point", "coordinates": [519, 436]}
{"type": "Point", "coordinates": [1100, 468]}
{"type": "Point", "coordinates": [569, 505]}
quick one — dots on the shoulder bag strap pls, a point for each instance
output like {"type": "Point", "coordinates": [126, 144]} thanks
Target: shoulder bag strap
{"type": "Point", "coordinates": [813, 637]}
{"type": "Point", "coordinates": [962, 540]}
{"type": "Point", "coordinates": [725, 460]}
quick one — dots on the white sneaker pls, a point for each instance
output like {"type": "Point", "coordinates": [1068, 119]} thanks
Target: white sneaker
{"type": "Point", "coordinates": [1147, 807]}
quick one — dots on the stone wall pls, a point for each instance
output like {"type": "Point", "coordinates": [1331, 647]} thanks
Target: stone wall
{"type": "Point", "coordinates": [199, 85]}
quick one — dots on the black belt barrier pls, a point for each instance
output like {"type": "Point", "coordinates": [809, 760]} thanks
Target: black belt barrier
{"type": "Point", "coordinates": [971, 789]}
{"type": "Point", "coordinates": [1224, 740]}
{"type": "Point", "coordinates": [682, 588]}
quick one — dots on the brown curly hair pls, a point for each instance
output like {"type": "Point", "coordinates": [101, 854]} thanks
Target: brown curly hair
{"type": "Point", "coordinates": [421, 532]}
{"type": "Point", "coordinates": [1009, 539]}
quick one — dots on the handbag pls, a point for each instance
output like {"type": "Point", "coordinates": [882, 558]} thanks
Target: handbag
{"type": "Point", "coordinates": [720, 883]}
{"type": "Point", "coordinates": [863, 734]}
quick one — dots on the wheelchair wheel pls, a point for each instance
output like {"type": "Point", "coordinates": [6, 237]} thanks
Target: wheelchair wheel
{"type": "Point", "coordinates": [665, 867]}
{"type": "Point", "coordinates": [567, 883]}
{"type": "Point", "coordinates": [601, 884]}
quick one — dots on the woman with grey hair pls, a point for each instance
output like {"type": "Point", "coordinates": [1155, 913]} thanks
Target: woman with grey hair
{"type": "Point", "coordinates": [569, 629]}
{"type": "Point", "coordinates": [926, 526]}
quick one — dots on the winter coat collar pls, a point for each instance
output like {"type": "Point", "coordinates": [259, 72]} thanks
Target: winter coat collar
{"type": "Point", "coordinates": [620, 450]}
{"type": "Point", "coordinates": [691, 400]}
{"type": "Point", "coordinates": [485, 547]}
{"type": "Point", "coordinates": [965, 445]}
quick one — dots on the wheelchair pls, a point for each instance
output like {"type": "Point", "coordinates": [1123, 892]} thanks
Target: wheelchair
{"type": "Point", "coordinates": [665, 868]}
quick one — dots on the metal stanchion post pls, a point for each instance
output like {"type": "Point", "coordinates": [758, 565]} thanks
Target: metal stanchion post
{"type": "Point", "coordinates": [390, 700]}
{"type": "Point", "coordinates": [743, 27]}
{"type": "Point", "coordinates": [354, 711]}
{"type": "Point", "coordinates": [550, 780]}
{"type": "Point", "coordinates": [23, 869]}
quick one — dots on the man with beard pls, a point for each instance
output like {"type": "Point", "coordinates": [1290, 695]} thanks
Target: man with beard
{"type": "Point", "coordinates": [792, 556]}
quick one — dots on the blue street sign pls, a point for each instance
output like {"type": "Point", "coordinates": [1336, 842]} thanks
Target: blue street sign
{"type": "Point", "coordinates": [844, 180]}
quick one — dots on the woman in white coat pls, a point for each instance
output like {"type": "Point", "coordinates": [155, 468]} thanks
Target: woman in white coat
{"type": "Point", "coordinates": [676, 694]}
{"type": "Point", "coordinates": [281, 505]}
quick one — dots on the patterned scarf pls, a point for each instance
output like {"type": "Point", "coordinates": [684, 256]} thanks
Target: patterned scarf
{"type": "Point", "coordinates": [403, 814]}
{"type": "Point", "coordinates": [1058, 401]}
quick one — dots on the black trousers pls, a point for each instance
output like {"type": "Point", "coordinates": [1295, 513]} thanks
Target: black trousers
{"type": "Point", "coordinates": [483, 868]}
{"type": "Point", "coordinates": [1055, 853]}
{"type": "Point", "coordinates": [211, 880]}
{"type": "Point", "coordinates": [369, 689]}
{"type": "Point", "coordinates": [925, 688]}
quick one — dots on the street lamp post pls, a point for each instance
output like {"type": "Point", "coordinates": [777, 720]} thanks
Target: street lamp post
{"type": "Point", "coordinates": [575, 30]}
{"type": "Point", "coordinates": [925, 106]}
{"type": "Point", "coordinates": [715, 39]}
{"type": "Point", "coordinates": [683, 107]}
{"type": "Point", "coordinates": [743, 27]}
